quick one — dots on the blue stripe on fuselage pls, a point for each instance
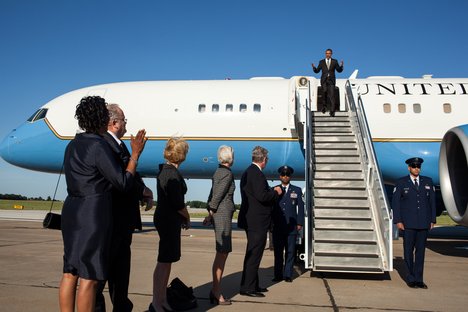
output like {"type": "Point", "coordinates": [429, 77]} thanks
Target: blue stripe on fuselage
{"type": "Point", "coordinates": [34, 146]}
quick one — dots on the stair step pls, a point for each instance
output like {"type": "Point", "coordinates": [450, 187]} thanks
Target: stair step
{"type": "Point", "coordinates": [338, 167]}
{"type": "Point", "coordinates": [340, 203]}
{"type": "Point", "coordinates": [335, 139]}
{"type": "Point", "coordinates": [347, 264]}
{"type": "Point", "coordinates": [340, 184]}
{"type": "Point", "coordinates": [340, 193]}
{"type": "Point", "coordinates": [337, 160]}
{"type": "Point", "coordinates": [337, 175]}
{"type": "Point", "coordinates": [343, 224]}
{"type": "Point", "coordinates": [334, 146]}
{"type": "Point", "coordinates": [330, 249]}
{"type": "Point", "coordinates": [345, 152]}
{"type": "Point", "coordinates": [349, 236]}
{"type": "Point", "coordinates": [332, 130]}
{"type": "Point", "coordinates": [338, 114]}
{"type": "Point", "coordinates": [352, 213]}
{"type": "Point", "coordinates": [327, 124]}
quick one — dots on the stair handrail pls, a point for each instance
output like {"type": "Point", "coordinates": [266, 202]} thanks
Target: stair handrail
{"type": "Point", "coordinates": [373, 177]}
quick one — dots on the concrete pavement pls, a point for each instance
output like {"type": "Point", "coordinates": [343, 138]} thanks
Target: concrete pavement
{"type": "Point", "coordinates": [31, 264]}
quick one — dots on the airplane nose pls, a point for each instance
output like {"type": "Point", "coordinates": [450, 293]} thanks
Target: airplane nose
{"type": "Point", "coordinates": [4, 147]}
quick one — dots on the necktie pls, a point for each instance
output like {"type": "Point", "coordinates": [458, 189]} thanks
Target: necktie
{"type": "Point", "coordinates": [328, 63]}
{"type": "Point", "coordinates": [416, 183]}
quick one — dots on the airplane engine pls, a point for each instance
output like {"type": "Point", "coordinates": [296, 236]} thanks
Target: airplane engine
{"type": "Point", "coordinates": [453, 172]}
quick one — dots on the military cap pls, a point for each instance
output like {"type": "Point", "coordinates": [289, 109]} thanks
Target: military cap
{"type": "Point", "coordinates": [285, 170]}
{"type": "Point", "coordinates": [414, 160]}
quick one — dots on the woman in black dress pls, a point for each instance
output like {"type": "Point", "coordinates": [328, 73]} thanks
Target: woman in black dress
{"type": "Point", "coordinates": [170, 216]}
{"type": "Point", "coordinates": [91, 171]}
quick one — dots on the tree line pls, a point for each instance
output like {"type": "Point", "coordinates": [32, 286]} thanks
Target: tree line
{"type": "Point", "coordinates": [21, 197]}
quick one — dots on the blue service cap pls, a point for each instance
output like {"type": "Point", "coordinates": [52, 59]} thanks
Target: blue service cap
{"type": "Point", "coordinates": [285, 170]}
{"type": "Point", "coordinates": [414, 160]}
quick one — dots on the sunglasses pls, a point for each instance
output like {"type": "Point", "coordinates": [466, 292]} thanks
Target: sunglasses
{"type": "Point", "coordinates": [285, 175]}
{"type": "Point", "coordinates": [415, 166]}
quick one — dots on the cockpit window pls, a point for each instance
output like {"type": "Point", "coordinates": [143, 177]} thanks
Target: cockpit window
{"type": "Point", "coordinates": [39, 114]}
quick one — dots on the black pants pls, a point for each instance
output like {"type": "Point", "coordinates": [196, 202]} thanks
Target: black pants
{"type": "Point", "coordinates": [256, 241]}
{"type": "Point", "coordinates": [119, 274]}
{"type": "Point", "coordinates": [414, 248]}
{"type": "Point", "coordinates": [285, 248]}
{"type": "Point", "coordinates": [329, 90]}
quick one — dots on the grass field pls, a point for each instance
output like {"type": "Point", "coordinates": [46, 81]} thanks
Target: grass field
{"type": "Point", "coordinates": [443, 219]}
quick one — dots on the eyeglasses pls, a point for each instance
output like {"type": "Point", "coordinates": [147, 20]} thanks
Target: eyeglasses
{"type": "Point", "coordinates": [122, 119]}
{"type": "Point", "coordinates": [415, 166]}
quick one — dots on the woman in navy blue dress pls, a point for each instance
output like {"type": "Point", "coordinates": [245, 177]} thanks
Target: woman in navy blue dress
{"type": "Point", "coordinates": [91, 170]}
{"type": "Point", "coordinates": [170, 216]}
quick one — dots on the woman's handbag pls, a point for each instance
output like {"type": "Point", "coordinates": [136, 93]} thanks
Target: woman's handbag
{"type": "Point", "coordinates": [180, 297]}
{"type": "Point", "coordinates": [52, 220]}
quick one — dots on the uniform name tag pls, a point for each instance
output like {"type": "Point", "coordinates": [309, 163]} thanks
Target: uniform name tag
{"type": "Point", "coordinates": [427, 187]}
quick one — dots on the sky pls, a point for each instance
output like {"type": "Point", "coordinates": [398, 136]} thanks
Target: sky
{"type": "Point", "coordinates": [51, 47]}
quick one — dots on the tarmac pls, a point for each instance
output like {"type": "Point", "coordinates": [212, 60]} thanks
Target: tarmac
{"type": "Point", "coordinates": [31, 269]}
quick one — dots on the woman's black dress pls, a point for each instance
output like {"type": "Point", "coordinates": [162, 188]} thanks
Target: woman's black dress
{"type": "Point", "coordinates": [91, 170]}
{"type": "Point", "coordinates": [171, 189]}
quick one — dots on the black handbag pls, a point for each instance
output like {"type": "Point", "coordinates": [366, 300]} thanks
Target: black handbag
{"type": "Point", "coordinates": [180, 297]}
{"type": "Point", "coordinates": [52, 220]}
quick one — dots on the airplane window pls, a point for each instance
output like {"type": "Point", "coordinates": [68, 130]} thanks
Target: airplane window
{"type": "Point", "coordinates": [447, 108]}
{"type": "Point", "coordinates": [38, 115]}
{"type": "Point", "coordinates": [257, 108]}
{"type": "Point", "coordinates": [387, 108]}
{"type": "Point", "coordinates": [417, 108]}
{"type": "Point", "coordinates": [201, 108]}
{"type": "Point", "coordinates": [402, 108]}
{"type": "Point", "coordinates": [229, 107]}
{"type": "Point", "coordinates": [215, 108]}
{"type": "Point", "coordinates": [243, 108]}
{"type": "Point", "coordinates": [33, 115]}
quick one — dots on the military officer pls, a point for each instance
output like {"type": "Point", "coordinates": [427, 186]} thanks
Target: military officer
{"type": "Point", "coordinates": [288, 219]}
{"type": "Point", "coordinates": [414, 212]}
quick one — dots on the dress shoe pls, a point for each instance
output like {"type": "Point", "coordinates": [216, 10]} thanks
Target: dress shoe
{"type": "Point", "coordinates": [252, 294]}
{"type": "Point", "coordinates": [261, 290]}
{"type": "Point", "coordinates": [215, 300]}
{"type": "Point", "coordinates": [411, 284]}
{"type": "Point", "coordinates": [324, 109]}
{"type": "Point", "coordinates": [332, 114]}
{"type": "Point", "coordinates": [277, 279]}
{"type": "Point", "coordinates": [421, 285]}
{"type": "Point", "coordinates": [288, 279]}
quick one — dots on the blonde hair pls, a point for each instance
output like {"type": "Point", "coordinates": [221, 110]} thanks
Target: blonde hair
{"type": "Point", "coordinates": [176, 150]}
{"type": "Point", "coordinates": [225, 154]}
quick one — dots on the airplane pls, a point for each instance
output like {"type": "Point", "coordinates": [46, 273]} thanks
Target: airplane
{"type": "Point", "coordinates": [423, 117]}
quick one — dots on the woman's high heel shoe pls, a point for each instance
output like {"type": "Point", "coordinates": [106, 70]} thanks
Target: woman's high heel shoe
{"type": "Point", "coordinates": [215, 300]}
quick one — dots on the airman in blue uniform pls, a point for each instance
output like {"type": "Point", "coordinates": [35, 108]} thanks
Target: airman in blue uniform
{"type": "Point", "coordinates": [414, 212]}
{"type": "Point", "coordinates": [288, 219]}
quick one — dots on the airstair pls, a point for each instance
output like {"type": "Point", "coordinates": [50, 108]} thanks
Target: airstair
{"type": "Point", "coordinates": [348, 226]}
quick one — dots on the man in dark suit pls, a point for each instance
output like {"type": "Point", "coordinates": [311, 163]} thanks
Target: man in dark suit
{"type": "Point", "coordinates": [414, 212]}
{"type": "Point", "coordinates": [126, 218]}
{"type": "Point", "coordinates": [288, 219]}
{"type": "Point", "coordinates": [328, 80]}
{"type": "Point", "coordinates": [255, 218]}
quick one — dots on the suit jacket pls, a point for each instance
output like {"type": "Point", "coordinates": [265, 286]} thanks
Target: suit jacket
{"type": "Point", "coordinates": [126, 206]}
{"type": "Point", "coordinates": [222, 191]}
{"type": "Point", "coordinates": [414, 207]}
{"type": "Point", "coordinates": [328, 73]}
{"type": "Point", "coordinates": [289, 211]}
{"type": "Point", "coordinates": [257, 200]}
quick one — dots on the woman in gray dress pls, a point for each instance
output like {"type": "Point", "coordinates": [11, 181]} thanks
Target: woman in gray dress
{"type": "Point", "coordinates": [221, 208]}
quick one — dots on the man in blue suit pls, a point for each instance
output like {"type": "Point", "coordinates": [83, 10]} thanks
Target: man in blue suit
{"type": "Point", "coordinates": [288, 219]}
{"type": "Point", "coordinates": [414, 212]}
